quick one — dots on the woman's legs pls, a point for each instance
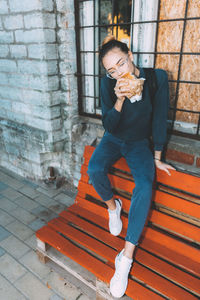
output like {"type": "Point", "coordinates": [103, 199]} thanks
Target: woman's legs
{"type": "Point", "coordinates": [141, 163]}
{"type": "Point", "coordinates": [104, 156]}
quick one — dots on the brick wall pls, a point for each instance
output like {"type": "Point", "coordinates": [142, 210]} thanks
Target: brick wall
{"type": "Point", "coordinates": [38, 93]}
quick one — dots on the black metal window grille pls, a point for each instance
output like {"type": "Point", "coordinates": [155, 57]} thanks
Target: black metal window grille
{"type": "Point", "coordinates": [116, 22]}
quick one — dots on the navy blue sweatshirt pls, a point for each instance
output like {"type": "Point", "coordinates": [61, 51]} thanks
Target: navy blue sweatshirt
{"type": "Point", "coordinates": [137, 120]}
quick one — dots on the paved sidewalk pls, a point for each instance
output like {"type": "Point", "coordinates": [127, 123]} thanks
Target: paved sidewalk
{"type": "Point", "coordinates": [26, 206]}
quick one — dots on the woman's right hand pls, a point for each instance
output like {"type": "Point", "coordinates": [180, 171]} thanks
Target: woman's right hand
{"type": "Point", "coordinates": [121, 92]}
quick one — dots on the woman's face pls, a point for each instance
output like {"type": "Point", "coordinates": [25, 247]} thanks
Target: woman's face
{"type": "Point", "coordinates": [118, 63]}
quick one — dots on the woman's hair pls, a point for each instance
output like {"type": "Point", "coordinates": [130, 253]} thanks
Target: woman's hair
{"type": "Point", "coordinates": [109, 43]}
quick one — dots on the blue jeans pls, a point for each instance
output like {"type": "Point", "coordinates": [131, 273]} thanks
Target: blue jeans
{"type": "Point", "coordinates": [140, 161]}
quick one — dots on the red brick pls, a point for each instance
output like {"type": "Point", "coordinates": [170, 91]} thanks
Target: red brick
{"type": "Point", "coordinates": [198, 162]}
{"type": "Point", "coordinates": [180, 156]}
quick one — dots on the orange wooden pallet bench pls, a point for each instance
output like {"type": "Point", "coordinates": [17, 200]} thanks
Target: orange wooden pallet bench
{"type": "Point", "coordinates": [167, 260]}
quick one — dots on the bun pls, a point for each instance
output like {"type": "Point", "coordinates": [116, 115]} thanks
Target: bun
{"type": "Point", "coordinates": [129, 76]}
{"type": "Point", "coordinates": [108, 38]}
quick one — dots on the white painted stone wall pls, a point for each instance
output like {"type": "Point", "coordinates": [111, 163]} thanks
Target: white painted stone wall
{"type": "Point", "coordinates": [38, 89]}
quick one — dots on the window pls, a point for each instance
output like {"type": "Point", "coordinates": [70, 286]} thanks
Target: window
{"type": "Point", "coordinates": [161, 34]}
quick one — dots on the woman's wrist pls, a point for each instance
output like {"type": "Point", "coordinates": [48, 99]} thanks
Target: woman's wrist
{"type": "Point", "coordinates": [155, 158]}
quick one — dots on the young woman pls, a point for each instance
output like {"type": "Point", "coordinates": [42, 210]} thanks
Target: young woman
{"type": "Point", "coordinates": [128, 127]}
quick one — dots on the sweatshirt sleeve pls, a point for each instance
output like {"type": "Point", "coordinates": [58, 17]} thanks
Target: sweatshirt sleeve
{"type": "Point", "coordinates": [110, 116]}
{"type": "Point", "coordinates": [160, 111]}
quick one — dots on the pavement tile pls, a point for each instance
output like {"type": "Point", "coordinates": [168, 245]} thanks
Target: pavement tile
{"type": "Point", "coordinates": [64, 199]}
{"type": "Point", "coordinates": [5, 218]}
{"type": "Point", "coordinates": [13, 183]}
{"type": "Point", "coordinates": [30, 183]}
{"type": "Point", "coordinates": [43, 213]}
{"type": "Point", "coordinates": [26, 203]}
{"type": "Point", "coordinates": [31, 262]}
{"type": "Point", "coordinates": [23, 215]}
{"type": "Point", "coordinates": [49, 192]}
{"type": "Point", "coordinates": [2, 251]}
{"type": "Point", "coordinates": [3, 233]}
{"type": "Point", "coordinates": [58, 208]}
{"type": "Point", "coordinates": [14, 246]}
{"type": "Point", "coordinates": [33, 288]}
{"type": "Point", "coordinates": [7, 205]}
{"type": "Point", "coordinates": [56, 297]}
{"type": "Point", "coordinates": [45, 200]}
{"type": "Point", "coordinates": [10, 268]}
{"type": "Point", "coordinates": [11, 194]}
{"type": "Point", "coordinates": [20, 230]}
{"type": "Point", "coordinates": [84, 297]}
{"type": "Point", "coordinates": [36, 224]}
{"type": "Point", "coordinates": [8, 291]}
{"type": "Point", "coordinates": [61, 286]}
{"type": "Point", "coordinates": [3, 186]}
{"type": "Point", "coordinates": [31, 241]}
{"type": "Point", "coordinates": [29, 191]}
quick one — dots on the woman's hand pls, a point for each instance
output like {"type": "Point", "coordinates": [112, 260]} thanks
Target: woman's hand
{"type": "Point", "coordinates": [163, 166]}
{"type": "Point", "coordinates": [122, 90]}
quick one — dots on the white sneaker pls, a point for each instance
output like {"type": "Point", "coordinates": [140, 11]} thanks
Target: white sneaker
{"type": "Point", "coordinates": [119, 281]}
{"type": "Point", "coordinates": [115, 223]}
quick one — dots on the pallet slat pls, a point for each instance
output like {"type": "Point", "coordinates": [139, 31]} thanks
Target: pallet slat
{"type": "Point", "coordinates": [179, 180]}
{"type": "Point", "coordinates": [167, 260]}
{"type": "Point", "coordinates": [99, 269]}
{"type": "Point", "coordinates": [165, 287]}
{"type": "Point", "coordinates": [173, 250]}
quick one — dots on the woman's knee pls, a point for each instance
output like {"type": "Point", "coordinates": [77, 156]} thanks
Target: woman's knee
{"type": "Point", "coordinates": [144, 183]}
{"type": "Point", "coordinates": [95, 168]}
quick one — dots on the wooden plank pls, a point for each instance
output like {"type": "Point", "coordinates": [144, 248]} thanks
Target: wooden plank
{"type": "Point", "coordinates": [147, 259]}
{"type": "Point", "coordinates": [178, 227]}
{"type": "Point", "coordinates": [169, 271]}
{"type": "Point", "coordinates": [99, 269]}
{"type": "Point", "coordinates": [138, 271]}
{"type": "Point", "coordinates": [184, 206]}
{"type": "Point", "coordinates": [179, 194]}
{"type": "Point", "coordinates": [179, 180]}
{"type": "Point", "coordinates": [83, 239]}
{"type": "Point", "coordinates": [116, 182]}
{"type": "Point", "coordinates": [171, 252]}
{"type": "Point", "coordinates": [97, 232]}
{"type": "Point", "coordinates": [91, 215]}
{"type": "Point", "coordinates": [91, 206]}
{"type": "Point", "coordinates": [171, 249]}
{"type": "Point", "coordinates": [159, 283]}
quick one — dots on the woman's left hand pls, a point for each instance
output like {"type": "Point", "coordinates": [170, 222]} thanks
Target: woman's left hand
{"type": "Point", "coordinates": [163, 166]}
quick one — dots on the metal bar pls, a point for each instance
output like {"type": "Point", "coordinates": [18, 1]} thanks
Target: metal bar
{"type": "Point", "coordinates": [198, 127]}
{"type": "Point", "coordinates": [179, 68]}
{"type": "Point", "coordinates": [132, 19]}
{"type": "Point", "coordinates": [94, 43]}
{"type": "Point", "coordinates": [78, 55]}
{"type": "Point", "coordinates": [113, 16]}
{"type": "Point", "coordinates": [139, 22]}
{"type": "Point", "coordinates": [156, 41]}
{"type": "Point", "coordinates": [184, 110]}
{"type": "Point", "coordinates": [156, 53]}
{"type": "Point", "coordinates": [151, 52]}
{"type": "Point", "coordinates": [184, 134]}
{"type": "Point", "coordinates": [99, 38]}
{"type": "Point", "coordinates": [170, 80]}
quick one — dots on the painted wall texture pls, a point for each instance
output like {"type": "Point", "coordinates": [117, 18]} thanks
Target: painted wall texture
{"type": "Point", "coordinates": [38, 91]}
{"type": "Point", "coordinates": [39, 122]}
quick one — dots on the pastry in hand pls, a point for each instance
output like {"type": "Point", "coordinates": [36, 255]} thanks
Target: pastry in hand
{"type": "Point", "coordinates": [136, 86]}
